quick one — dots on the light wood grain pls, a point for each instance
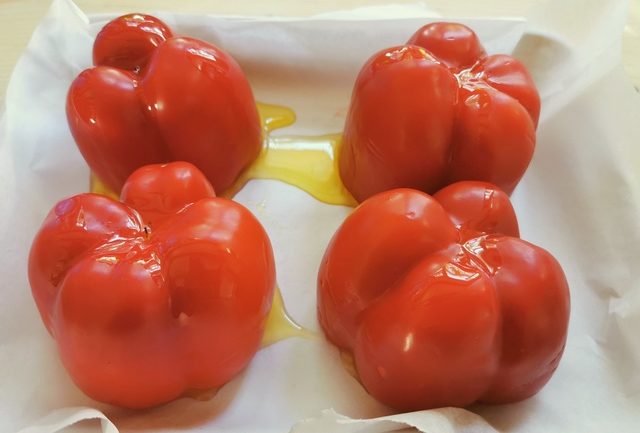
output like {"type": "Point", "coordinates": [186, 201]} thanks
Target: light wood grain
{"type": "Point", "coordinates": [18, 19]}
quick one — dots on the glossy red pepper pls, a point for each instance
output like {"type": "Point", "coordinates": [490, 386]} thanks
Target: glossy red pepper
{"type": "Point", "coordinates": [438, 110]}
{"type": "Point", "coordinates": [440, 302]}
{"type": "Point", "coordinates": [164, 292]}
{"type": "Point", "coordinates": [155, 98]}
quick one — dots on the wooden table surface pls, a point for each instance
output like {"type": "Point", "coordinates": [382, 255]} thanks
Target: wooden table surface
{"type": "Point", "coordinates": [18, 19]}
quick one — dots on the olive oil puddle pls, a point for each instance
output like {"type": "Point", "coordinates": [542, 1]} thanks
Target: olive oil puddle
{"type": "Point", "coordinates": [97, 187]}
{"type": "Point", "coordinates": [201, 394]}
{"type": "Point", "coordinates": [309, 163]}
{"type": "Point", "coordinates": [280, 325]}
{"type": "Point", "coordinates": [349, 363]}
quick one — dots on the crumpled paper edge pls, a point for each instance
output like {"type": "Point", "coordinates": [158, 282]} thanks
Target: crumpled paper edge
{"type": "Point", "coordinates": [60, 419]}
{"type": "Point", "coordinates": [579, 59]}
{"type": "Point", "coordinates": [444, 420]}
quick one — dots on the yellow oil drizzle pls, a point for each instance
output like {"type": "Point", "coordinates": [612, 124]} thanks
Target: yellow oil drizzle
{"type": "Point", "coordinates": [200, 394]}
{"type": "Point", "coordinates": [349, 363]}
{"type": "Point", "coordinates": [307, 162]}
{"type": "Point", "coordinates": [280, 325]}
{"type": "Point", "coordinates": [97, 187]}
{"type": "Point", "coordinates": [274, 117]}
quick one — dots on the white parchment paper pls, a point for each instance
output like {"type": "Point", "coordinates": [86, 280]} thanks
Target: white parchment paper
{"type": "Point", "coordinates": [580, 200]}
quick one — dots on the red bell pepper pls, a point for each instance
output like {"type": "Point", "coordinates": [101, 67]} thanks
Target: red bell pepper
{"type": "Point", "coordinates": [165, 292]}
{"type": "Point", "coordinates": [438, 110]}
{"type": "Point", "coordinates": [154, 98]}
{"type": "Point", "coordinates": [440, 302]}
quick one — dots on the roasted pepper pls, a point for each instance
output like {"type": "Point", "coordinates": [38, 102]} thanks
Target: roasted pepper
{"type": "Point", "coordinates": [165, 292]}
{"type": "Point", "coordinates": [438, 110]}
{"type": "Point", "coordinates": [440, 302]}
{"type": "Point", "coordinates": [153, 97]}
